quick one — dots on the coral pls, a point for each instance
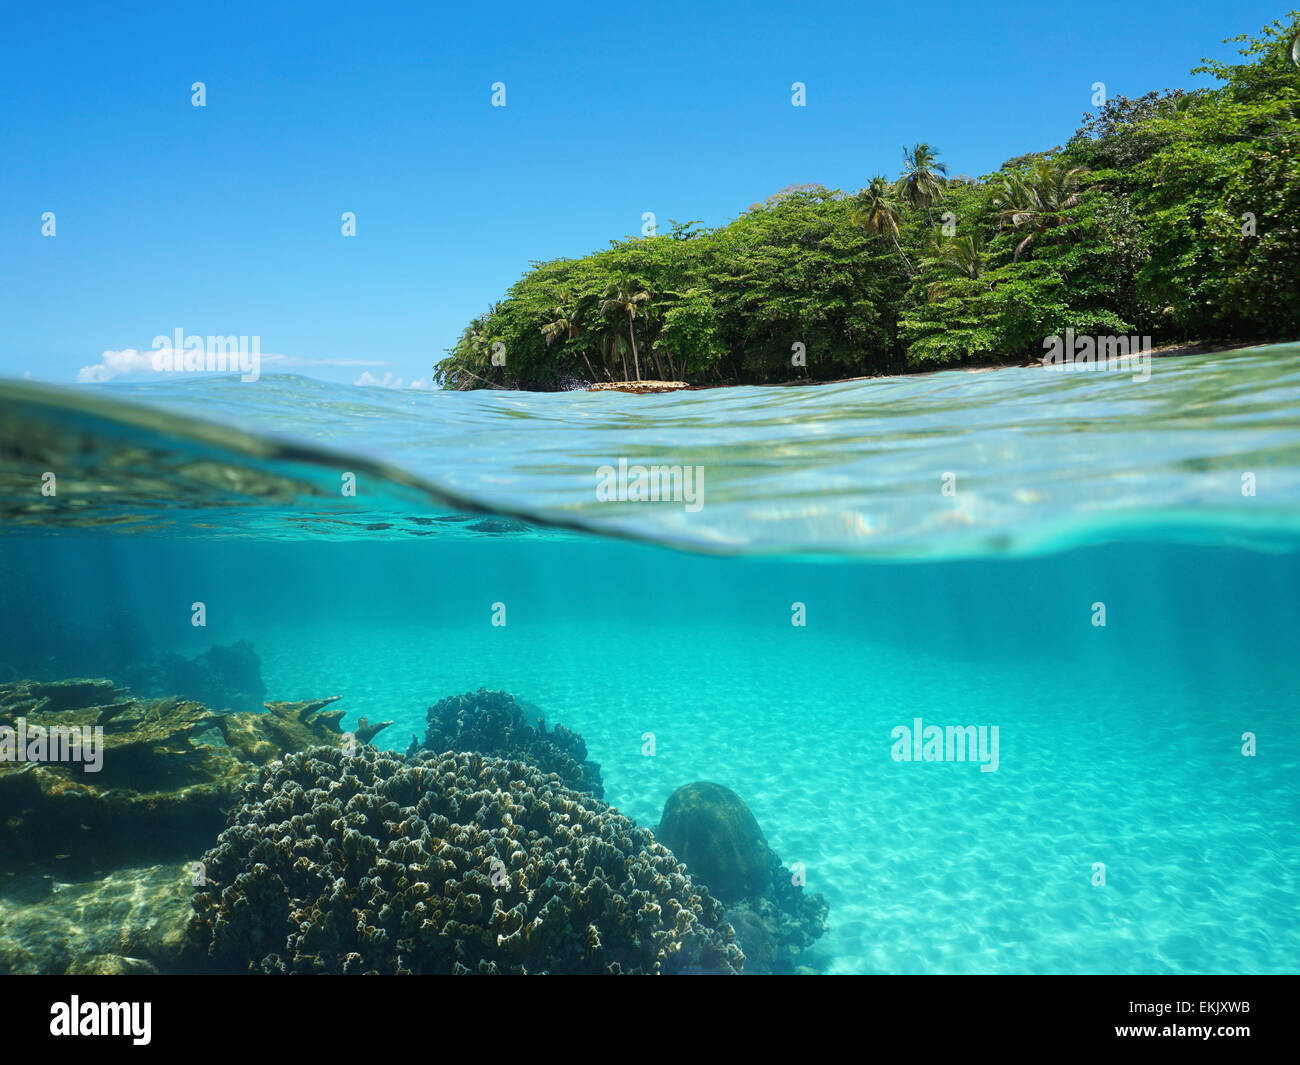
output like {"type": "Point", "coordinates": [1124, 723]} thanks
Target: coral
{"type": "Point", "coordinates": [170, 770]}
{"type": "Point", "coordinates": [224, 676]}
{"type": "Point", "coordinates": [448, 863]}
{"type": "Point", "coordinates": [776, 928]}
{"type": "Point", "coordinates": [713, 832]}
{"type": "Point", "coordinates": [710, 828]}
{"type": "Point", "coordinates": [496, 723]}
{"type": "Point", "coordinates": [89, 644]}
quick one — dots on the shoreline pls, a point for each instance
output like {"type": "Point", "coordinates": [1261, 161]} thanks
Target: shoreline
{"type": "Point", "coordinates": [648, 387]}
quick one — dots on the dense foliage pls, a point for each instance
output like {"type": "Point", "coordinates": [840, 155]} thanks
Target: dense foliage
{"type": "Point", "coordinates": [1174, 215]}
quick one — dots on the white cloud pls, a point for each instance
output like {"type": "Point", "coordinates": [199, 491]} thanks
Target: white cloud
{"type": "Point", "coordinates": [130, 361]}
{"type": "Point", "coordinates": [114, 363]}
{"type": "Point", "coordinates": [295, 360]}
{"type": "Point", "coordinates": [369, 380]}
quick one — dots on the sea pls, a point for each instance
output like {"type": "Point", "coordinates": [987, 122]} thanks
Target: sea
{"type": "Point", "coordinates": [781, 590]}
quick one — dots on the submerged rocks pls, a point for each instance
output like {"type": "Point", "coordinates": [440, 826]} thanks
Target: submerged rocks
{"type": "Point", "coordinates": [151, 780]}
{"type": "Point", "coordinates": [451, 863]}
{"type": "Point", "coordinates": [131, 921]}
{"type": "Point", "coordinates": [496, 723]}
{"type": "Point", "coordinates": [226, 676]}
{"type": "Point", "coordinates": [713, 832]}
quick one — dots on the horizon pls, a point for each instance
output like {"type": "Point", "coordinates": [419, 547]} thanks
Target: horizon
{"type": "Point", "coordinates": [226, 220]}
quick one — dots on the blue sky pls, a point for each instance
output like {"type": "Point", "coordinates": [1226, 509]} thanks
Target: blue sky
{"type": "Point", "coordinates": [225, 219]}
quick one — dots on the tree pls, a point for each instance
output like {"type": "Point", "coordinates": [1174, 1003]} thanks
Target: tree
{"type": "Point", "coordinates": [564, 325]}
{"type": "Point", "coordinates": [924, 177]}
{"type": "Point", "coordinates": [1037, 198]}
{"type": "Point", "coordinates": [961, 257]}
{"type": "Point", "coordinates": [1174, 214]}
{"type": "Point", "coordinates": [625, 296]}
{"type": "Point", "coordinates": [878, 213]}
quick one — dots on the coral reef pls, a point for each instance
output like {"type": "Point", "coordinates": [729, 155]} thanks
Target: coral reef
{"type": "Point", "coordinates": [449, 863]}
{"type": "Point", "coordinates": [713, 832]}
{"type": "Point", "coordinates": [88, 646]}
{"type": "Point", "coordinates": [170, 770]}
{"type": "Point", "coordinates": [226, 676]}
{"type": "Point", "coordinates": [496, 723]}
{"type": "Point", "coordinates": [339, 858]}
{"type": "Point", "coordinates": [776, 928]}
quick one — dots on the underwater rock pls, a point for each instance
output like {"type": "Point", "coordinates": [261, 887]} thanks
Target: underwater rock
{"type": "Point", "coordinates": [710, 828]}
{"type": "Point", "coordinates": [226, 676]}
{"type": "Point", "coordinates": [498, 525]}
{"type": "Point", "coordinates": [86, 646]}
{"type": "Point", "coordinates": [168, 771]}
{"type": "Point", "coordinates": [449, 863]}
{"type": "Point", "coordinates": [111, 965]}
{"type": "Point", "coordinates": [713, 832]}
{"type": "Point", "coordinates": [496, 723]}
{"type": "Point", "coordinates": [132, 921]}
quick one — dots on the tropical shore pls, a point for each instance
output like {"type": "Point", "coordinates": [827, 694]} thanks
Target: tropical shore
{"type": "Point", "coordinates": [650, 387]}
{"type": "Point", "coordinates": [1137, 226]}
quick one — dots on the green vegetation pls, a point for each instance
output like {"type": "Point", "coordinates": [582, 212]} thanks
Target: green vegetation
{"type": "Point", "coordinates": [1174, 215]}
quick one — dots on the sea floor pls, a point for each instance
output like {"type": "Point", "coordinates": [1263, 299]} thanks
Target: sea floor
{"type": "Point", "coordinates": [1118, 746]}
{"type": "Point", "coordinates": [928, 867]}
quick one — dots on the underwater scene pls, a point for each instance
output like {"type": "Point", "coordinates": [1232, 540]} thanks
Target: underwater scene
{"type": "Point", "coordinates": [951, 673]}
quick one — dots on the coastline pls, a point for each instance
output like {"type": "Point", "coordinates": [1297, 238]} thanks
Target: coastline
{"type": "Point", "coordinates": [1199, 347]}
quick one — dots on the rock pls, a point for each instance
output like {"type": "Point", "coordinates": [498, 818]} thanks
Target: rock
{"type": "Point", "coordinates": [111, 965]}
{"type": "Point", "coordinates": [133, 920]}
{"type": "Point", "coordinates": [710, 828]}
{"type": "Point", "coordinates": [226, 676]}
{"type": "Point", "coordinates": [638, 387]}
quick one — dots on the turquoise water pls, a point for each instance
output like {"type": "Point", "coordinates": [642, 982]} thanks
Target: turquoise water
{"type": "Point", "coordinates": [1119, 744]}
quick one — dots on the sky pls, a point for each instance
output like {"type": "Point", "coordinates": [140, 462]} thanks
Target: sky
{"type": "Point", "coordinates": [227, 219]}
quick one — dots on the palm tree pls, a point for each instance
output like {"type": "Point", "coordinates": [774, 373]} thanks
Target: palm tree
{"type": "Point", "coordinates": [878, 212]}
{"type": "Point", "coordinates": [1179, 102]}
{"type": "Point", "coordinates": [923, 177]}
{"type": "Point", "coordinates": [474, 348]}
{"type": "Point", "coordinates": [614, 343]}
{"type": "Point", "coordinates": [955, 257]}
{"type": "Point", "coordinates": [627, 297]}
{"type": "Point", "coordinates": [1039, 197]}
{"type": "Point", "coordinates": [565, 326]}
